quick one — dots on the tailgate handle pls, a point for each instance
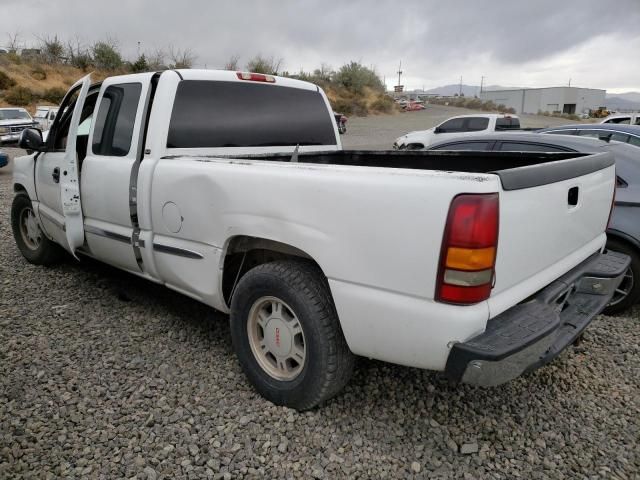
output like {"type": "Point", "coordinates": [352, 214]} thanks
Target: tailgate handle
{"type": "Point", "coordinates": [572, 197]}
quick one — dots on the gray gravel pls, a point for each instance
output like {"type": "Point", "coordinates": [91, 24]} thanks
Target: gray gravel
{"type": "Point", "coordinates": [105, 375]}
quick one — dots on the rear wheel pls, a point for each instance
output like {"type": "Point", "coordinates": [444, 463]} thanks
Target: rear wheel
{"type": "Point", "coordinates": [287, 336]}
{"type": "Point", "coordinates": [29, 238]}
{"type": "Point", "coordinates": [628, 292]}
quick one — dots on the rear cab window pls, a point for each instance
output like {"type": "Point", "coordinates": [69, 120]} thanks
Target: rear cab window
{"type": "Point", "coordinates": [477, 124]}
{"type": "Point", "coordinates": [507, 123]}
{"type": "Point", "coordinates": [215, 114]}
{"type": "Point", "coordinates": [116, 116]}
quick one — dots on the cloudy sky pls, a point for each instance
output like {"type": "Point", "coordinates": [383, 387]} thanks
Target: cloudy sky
{"type": "Point", "coordinates": [512, 43]}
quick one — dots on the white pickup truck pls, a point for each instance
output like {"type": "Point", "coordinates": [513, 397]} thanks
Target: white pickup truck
{"type": "Point", "coordinates": [460, 126]}
{"type": "Point", "coordinates": [232, 188]}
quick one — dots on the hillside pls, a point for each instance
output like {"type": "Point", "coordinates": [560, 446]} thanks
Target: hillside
{"type": "Point", "coordinates": [351, 92]}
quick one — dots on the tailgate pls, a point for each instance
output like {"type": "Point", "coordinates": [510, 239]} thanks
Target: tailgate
{"type": "Point", "coordinates": [552, 217]}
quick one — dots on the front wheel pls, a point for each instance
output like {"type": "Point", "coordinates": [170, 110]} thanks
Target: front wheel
{"type": "Point", "coordinates": [29, 238]}
{"type": "Point", "coordinates": [628, 292]}
{"type": "Point", "coordinates": [287, 336]}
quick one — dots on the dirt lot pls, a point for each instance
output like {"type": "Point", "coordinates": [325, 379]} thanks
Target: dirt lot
{"type": "Point", "coordinates": [105, 375]}
{"type": "Point", "coordinates": [379, 132]}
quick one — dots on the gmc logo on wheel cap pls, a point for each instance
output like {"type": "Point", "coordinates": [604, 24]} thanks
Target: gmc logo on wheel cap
{"type": "Point", "coordinates": [277, 337]}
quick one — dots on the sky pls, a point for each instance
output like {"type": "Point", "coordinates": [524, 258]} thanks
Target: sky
{"type": "Point", "coordinates": [511, 43]}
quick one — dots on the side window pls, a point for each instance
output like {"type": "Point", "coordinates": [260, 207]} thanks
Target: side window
{"type": "Point", "coordinates": [114, 122]}
{"type": "Point", "coordinates": [463, 146]}
{"type": "Point", "coordinates": [634, 141]}
{"type": "Point", "coordinates": [453, 125]}
{"type": "Point", "coordinates": [599, 134]}
{"type": "Point", "coordinates": [563, 132]}
{"type": "Point", "coordinates": [625, 120]}
{"type": "Point", "coordinates": [637, 120]}
{"type": "Point", "coordinates": [619, 137]}
{"type": "Point", "coordinates": [529, 147]}
{"type": "Point", "coordinates": [476, 124]}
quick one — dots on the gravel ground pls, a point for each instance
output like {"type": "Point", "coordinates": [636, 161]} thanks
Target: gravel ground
{"type": "Point", "coordinates": [105, 375]}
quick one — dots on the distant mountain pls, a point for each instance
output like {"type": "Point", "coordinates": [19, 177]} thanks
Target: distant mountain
{"type": "Point", "coordinates": [615, 102]}
{"type": "Point", "coordinates": [468, 90]}
{"type": "Point", "coordinates": [629, 96]}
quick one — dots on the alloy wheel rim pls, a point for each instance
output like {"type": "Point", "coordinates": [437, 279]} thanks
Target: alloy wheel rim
{"type": "Point", "coordinates": [29, 229]}
{"type": "Point", "coordinates": [623, 289]}
{"type": "Point", "coordinates": [276, 338]}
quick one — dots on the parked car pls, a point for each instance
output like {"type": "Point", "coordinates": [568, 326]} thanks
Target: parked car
{"type": "Point", "coordinates": [608, 131]}
{"type": "Point", "coordinates": [44, 116]}
{"type": "Point", "coordinates": [320, 254]}
{"type": "Point", "coordinates": [623, 118]}
{"type": "Point", "coordinates": [12, 122]}
{"type": "Point", "coordinates": [4, 159]}
{"type": "Point", "coordinates": [461, 126]}
{"type": "Point", "coordinates": [341, 121]}
{"type": "Point", "coordinates": [413, 106]}
{"type": "Point", "coordinates": [623, 232]}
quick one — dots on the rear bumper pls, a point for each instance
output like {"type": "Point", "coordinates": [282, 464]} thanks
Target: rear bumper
{"type": "Point", "coordinates": [534, 332]}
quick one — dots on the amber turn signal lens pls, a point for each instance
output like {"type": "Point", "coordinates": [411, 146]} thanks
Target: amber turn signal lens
{"type": "Point", "coordinates": [470, 258]}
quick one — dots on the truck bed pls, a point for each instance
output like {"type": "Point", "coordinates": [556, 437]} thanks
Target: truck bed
{"type": "Point", "coordinates": [516, 169]}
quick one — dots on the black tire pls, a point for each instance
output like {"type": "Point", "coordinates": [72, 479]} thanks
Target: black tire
{"type": "Point", "coordinates": [415, 146]}
{"type": "Point", "coordinates": [633, 295]}
{"type": "Point", "coordinates": [328, 363]}
{"type": "Point", "coordinates": [46, 252]}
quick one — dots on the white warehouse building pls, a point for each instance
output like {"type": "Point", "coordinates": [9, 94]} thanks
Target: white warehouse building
{"type": "Point", "coordinates": [551, 99]}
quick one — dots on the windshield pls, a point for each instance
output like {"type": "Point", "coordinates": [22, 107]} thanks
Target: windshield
{"type": "Point", "coordinates": [11, 114]}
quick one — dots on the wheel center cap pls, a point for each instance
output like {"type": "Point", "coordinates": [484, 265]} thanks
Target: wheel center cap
{"type": "Point", "coordinates": [278, 337]}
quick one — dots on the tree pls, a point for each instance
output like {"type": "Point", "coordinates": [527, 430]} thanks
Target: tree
{"type": "Point", "coordinates": [140, 65]}
{"type": "Point", "coordinates": [267, 65]}
{"type": "Point", "coordinates": [52, 50]}
{"type": "Point", "coordinates": [106, 56]}
{"type": "Point", "coordinates": [181, 58]}
{"type": "Point", "coordinates": [157, 60]}
{"type": "Point", "coordinates": [232, 63]}
{"type": "Point", "coordinates": [78, 55]}
{"type": "Point", "coordinates": [14, 43]}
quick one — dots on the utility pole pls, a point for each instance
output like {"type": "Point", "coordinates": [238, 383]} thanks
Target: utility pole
{"type": "Point", "coordinates": [460, 91]}
{"type": "Point", "coordinates": [399, 73]}
{"type": "Point", "coordinates": [569, 82]}
{"type": "Point", "coordinates": [481, 83]}
{"type": "Point", "coordinates": [138, 49]}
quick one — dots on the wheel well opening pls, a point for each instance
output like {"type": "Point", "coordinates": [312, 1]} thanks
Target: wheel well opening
{"type": "Point", "coordinates": [18, 188]}
{"type": "Point", "coordinates": [244, 253]}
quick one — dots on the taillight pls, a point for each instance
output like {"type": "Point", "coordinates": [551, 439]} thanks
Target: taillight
{"type": "Point", "coordinates": [469, 245]}
{"type": "Point", "coordinates": [256, 77]}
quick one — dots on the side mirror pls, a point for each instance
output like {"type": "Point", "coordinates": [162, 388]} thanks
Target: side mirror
{"type": "Point", "coordinates": [438, 130]}
{"type": "Point", "coordinates": [31, 140]}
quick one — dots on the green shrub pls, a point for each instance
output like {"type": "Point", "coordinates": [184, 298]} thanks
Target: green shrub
{"type": "Point", "coordinates": [106, 56]}
{"type": "Point", "coordinates": [355, 77]}
{"type": "Point", "coordinates": [38, 73]}
{"type": "Point", "coordinates": [54, 94]}
{"type": "Point", "coordinates": [19, 96]}
{"type": "Point", "coordinates": [6, 81]}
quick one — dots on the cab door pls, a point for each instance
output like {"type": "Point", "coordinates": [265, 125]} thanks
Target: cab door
{"type": "Point", "coordinates": [110, 171]}
{"type": "Point", "coordinates": [57, 178]}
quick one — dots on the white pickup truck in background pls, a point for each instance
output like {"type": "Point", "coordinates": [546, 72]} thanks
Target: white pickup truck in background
{"type": "Point", "coordinates": [460, 126]}
{"type": "Point", "coordinates": [232, 188]}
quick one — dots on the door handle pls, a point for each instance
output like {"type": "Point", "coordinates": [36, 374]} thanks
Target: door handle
{"type": "Point", "coordinates": [56, 174]}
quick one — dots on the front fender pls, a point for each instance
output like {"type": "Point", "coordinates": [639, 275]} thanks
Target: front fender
{"type": "Point", "coordinates": [23, 175]}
